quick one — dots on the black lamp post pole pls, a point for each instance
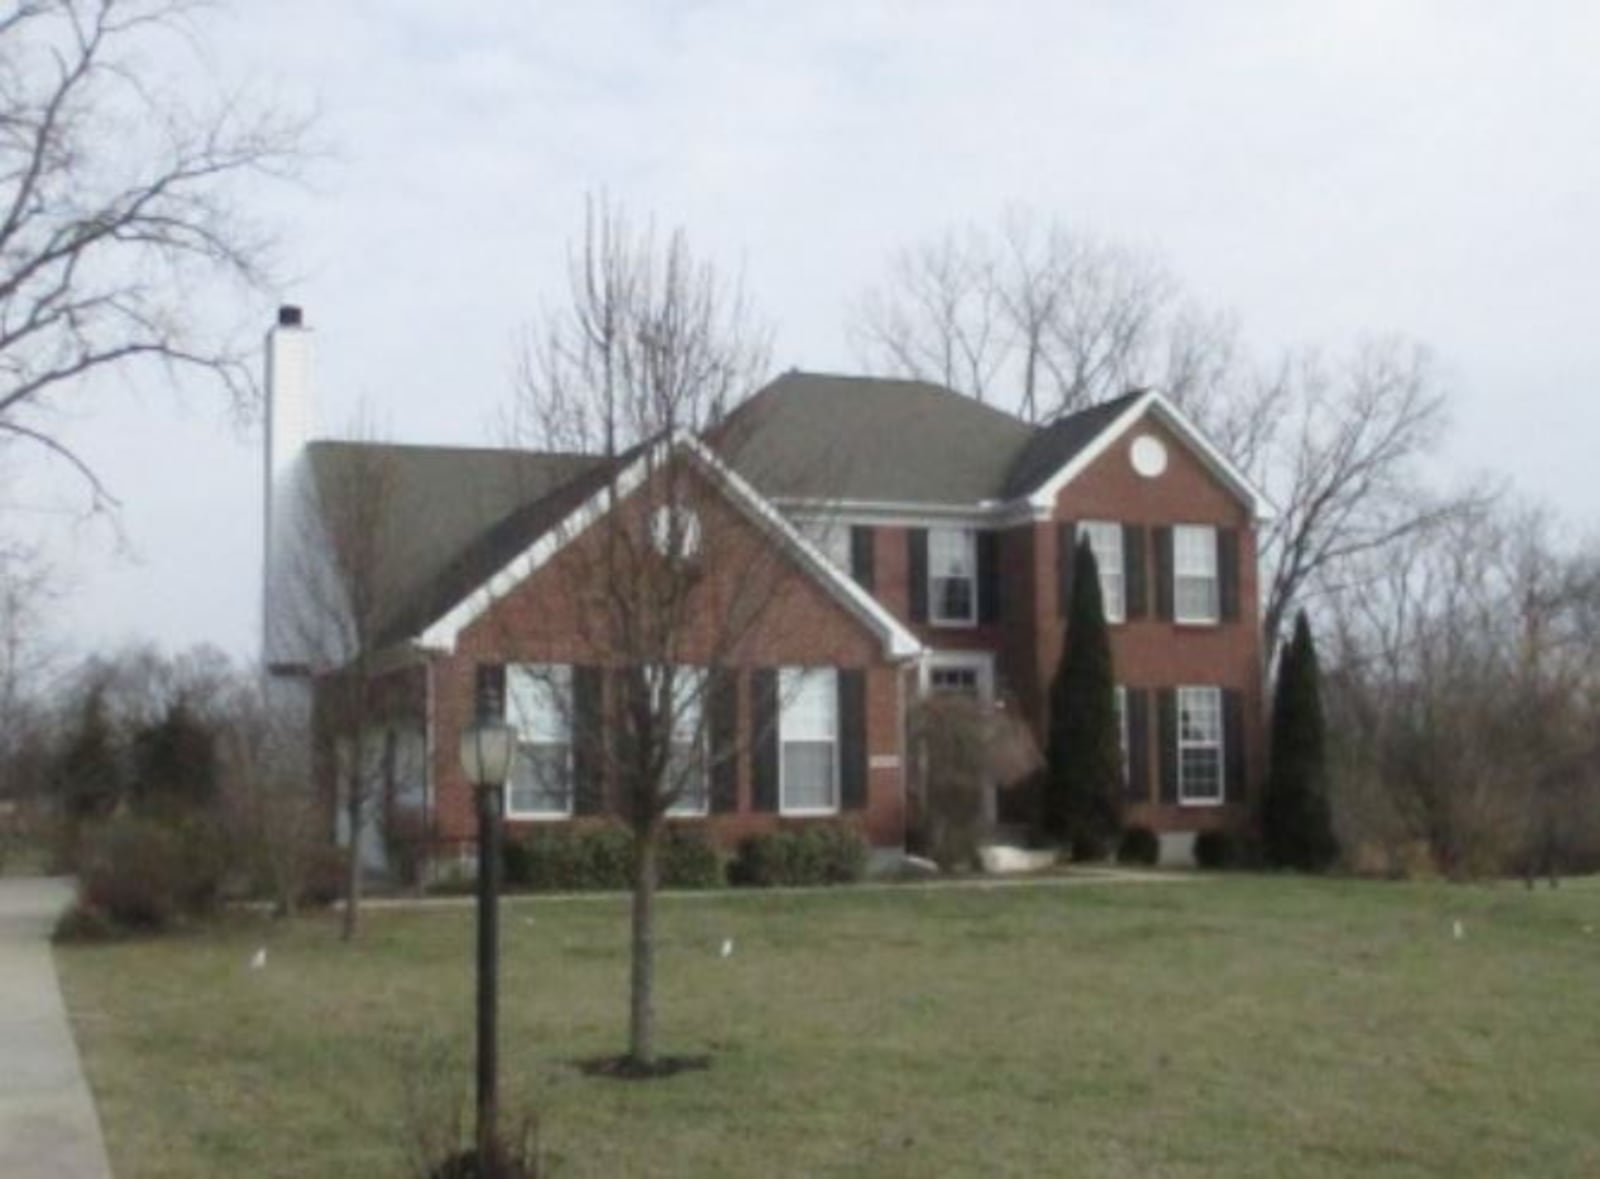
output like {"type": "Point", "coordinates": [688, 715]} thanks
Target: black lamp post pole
{"type": "Point", "coordinates": [489, 806]}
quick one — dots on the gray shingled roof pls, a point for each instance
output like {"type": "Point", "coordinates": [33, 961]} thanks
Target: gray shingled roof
{"type": "Point", "coordinates": [1057, 444]}
{"type": "Point", "coordinates": [454, 516]}
{"type": "Point", "coordinates": [816, 436]}
{"type": "Point", "coordinates": [448, 513]}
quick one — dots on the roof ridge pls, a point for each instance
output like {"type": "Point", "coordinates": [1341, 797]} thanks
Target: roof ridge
{"type": "Point", "coordinates": [897, 379]}
{"type": "Point", "coordinates": [438, 448]}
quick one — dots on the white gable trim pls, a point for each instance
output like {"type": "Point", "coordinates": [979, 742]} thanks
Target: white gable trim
{"type": "Point", "coordinates": [899, 642]}
{"type": "Point", "coordinates": [1044, 498]}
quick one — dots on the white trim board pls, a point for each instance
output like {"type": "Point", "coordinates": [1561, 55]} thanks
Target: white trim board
{"type": "Point", "coordinates": [899, 642]}
{"type": "Point", "coordinates": [1043, 498]}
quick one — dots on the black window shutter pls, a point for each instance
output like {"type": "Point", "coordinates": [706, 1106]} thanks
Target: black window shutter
{"type": "Point", "coordinates": [1167, 723]}
{"type": "Point", "coordinates": [764, 739]}
{"type": "Point", "coordinates": [862, 540]}
{"type": "Point", "coordinates": [489, 693]}
{"type": "Point", "coordinates": [1066, 550]}
{"type": "Point", "coordinates": [852, 739]}
{"type": "Point", "coordinates": [1137, 702]}
{"type": "Point", "coordinates": [988, 576]}
{"type": "Point", "coordinates": [1233, 751]}
{"type": "Point", "coordinates": [723, 698]}
{"type": "Point", "coordinates": [588, 699]}
{"type": "Point", "coordinates": [1228, 572]}
{"type": "Point", "coordinates": [1133, 569]}
{"type": "Point", "coordinates": [917, 572]}
{"type": "Point", "coordinates": [1163, 538]}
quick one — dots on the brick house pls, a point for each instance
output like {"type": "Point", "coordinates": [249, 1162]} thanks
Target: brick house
{"type": "Point", "coordinates": [915, 540]}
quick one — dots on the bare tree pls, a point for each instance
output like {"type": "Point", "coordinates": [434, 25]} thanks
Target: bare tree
{"type": "Point", "coordinates": [27, 655]}
{"type": "Point", "coordinates": [1464, 695]}
{"type": "Point", "coordinates": [344, 560]}
{"type": "Point", "coordinates": [1045, 321]}
{"type": "Point", "coordinates": [669, 585]}
{"type": "Point", "coordinates": [120, 209]}
{"type": "Point", "coordinates": [266, 789]}
{"type": "Point", "coordinates": [1031, 316]}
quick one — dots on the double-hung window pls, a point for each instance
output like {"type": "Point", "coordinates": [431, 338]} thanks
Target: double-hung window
{"type": "Point", "coordinates": [952, 575]}
{"type": "Point", "coordinates": [686, 755]}
{"type": "Point", "coordinates": [1199, 746]}
{"type": "Point", "coordinates": [808, 736]}
{"type": "Point", "coordinates": [1194, 574]}
{"type": "Point", "coordinates": [539, 707]}
{"type": "Point", "coordinates": [1105, 539]}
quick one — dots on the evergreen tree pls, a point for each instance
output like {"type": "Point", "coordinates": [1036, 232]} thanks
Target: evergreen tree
{"type": "Point", "coordinates": [175, 762]}
{"type": "Point", "coordinates": [1083, 760]}
{"type": "Point", "coordinates": [88, 771]}
{"type": "Point", "coordinates": [1296, 824]}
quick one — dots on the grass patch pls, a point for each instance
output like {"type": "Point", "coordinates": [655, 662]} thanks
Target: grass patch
{"type": "Point", "coordinates": [1238, 1027]}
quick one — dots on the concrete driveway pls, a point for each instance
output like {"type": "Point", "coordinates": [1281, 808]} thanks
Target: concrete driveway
{"type": "Point", "coordinates": [48, 1125]}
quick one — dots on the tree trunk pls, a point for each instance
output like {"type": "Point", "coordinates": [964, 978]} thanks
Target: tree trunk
{"type": "Point", "coordinates": [352, 879]}
{"type": "Point", "coordinates": [642, 1010]}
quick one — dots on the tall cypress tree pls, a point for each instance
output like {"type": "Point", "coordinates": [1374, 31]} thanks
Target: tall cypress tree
{"type": "Point", "coordinates": [1083, 786]}
{"type": "Point", "coordinates": [1296, 823]}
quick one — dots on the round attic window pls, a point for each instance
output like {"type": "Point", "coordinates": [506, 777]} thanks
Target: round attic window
{"type": "Point", "coordinates": [675, 531]}
{"type": "Point", "coordinates": [1148, 455]}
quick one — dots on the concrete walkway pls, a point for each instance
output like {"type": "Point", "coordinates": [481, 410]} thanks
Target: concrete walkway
{"type": "Point", "coordinates": [48, 1125]}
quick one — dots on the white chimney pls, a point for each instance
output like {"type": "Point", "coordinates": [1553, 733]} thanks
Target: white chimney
{"type": "Point", "coordinates": [289, 427]}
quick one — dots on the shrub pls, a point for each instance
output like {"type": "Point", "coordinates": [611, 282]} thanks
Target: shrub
{"type": "Point", "coordinates": [1215, 850]}
{"type": "Point", "coordinates": [1090, 845]}
{"type": "Point", "coordinates": [516, 863]}
{"type": "Point", "coordinates": [84, 923]}
{"type": "Point", "coordinates": [1139, 846]}
{"type": "Point", "coordinates": [688, 860]}
{"type": "Point", "coordinates": [830, 853]}
{"type": "Point", "coordinates": [324, 878]}
{"type": "Point", "coordinates": [133, 873]}
{"type": "Point", "coordinates": [560, 859]}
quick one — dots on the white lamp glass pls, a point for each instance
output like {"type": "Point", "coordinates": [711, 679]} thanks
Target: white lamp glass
{"type": "Point", "coordinates": [486, 753]}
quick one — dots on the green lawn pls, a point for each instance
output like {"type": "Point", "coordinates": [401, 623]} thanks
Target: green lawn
{"type": "Point", "coordinates": [1231, 1027]}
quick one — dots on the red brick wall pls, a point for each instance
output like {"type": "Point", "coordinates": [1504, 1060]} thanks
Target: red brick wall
{"type": "Point", "coordinates": [1147, 652]}
{"type": "Point", "coordinates": [547, 620]}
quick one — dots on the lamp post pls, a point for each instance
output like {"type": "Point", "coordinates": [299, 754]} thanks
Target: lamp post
{"type": "Point", "coordinates": [486, 752]}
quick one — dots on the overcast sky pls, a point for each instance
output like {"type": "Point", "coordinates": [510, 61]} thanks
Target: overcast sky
{"type": "Point", "coordinates": [1324, 170]}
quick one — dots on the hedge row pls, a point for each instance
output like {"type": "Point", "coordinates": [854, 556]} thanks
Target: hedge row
{"type": "Point", "coordinates": [600, 858]}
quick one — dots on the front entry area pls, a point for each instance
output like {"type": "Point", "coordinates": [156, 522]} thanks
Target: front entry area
{"type": "Point", "coordinates": [966, 673]}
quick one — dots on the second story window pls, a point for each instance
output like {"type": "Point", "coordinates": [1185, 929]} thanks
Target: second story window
{"type": "Point", "coordinates": [1194, 574]}
{"type": "Point", "coordinates": [1105, 538]}
{"type": "Point", "coordinates": [952, 576]}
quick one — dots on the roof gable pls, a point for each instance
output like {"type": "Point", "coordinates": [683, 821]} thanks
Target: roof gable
{"type": "Point", "coordinates": [1067, 447]}
{"type": "Point", "coordinates": [441, 508]}
{"type": "Point", "coordinates": [551, 526]}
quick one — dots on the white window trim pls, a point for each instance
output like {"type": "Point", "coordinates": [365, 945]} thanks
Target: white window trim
{"type": "Point", "coordinates": [1222, 748]}
{"type": "Point", "coordinates": [1215, 617]}
{"type": "Point", "coordinates": [808, 812]}
{"type": "Point", "coordinates": [934, 619]}
{"type": "Point", "coordinates": [1120, 573]}
{"type": "Point", "coordinates": [542, 816]}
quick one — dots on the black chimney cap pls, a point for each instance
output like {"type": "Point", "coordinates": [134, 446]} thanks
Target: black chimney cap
{"type": "Point", "coordinates": [290, 316]}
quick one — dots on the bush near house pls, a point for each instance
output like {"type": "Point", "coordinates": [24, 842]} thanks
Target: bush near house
{"type": "Point", "coordinates": [1139, 846]}
{"type": "Point", "coordinates": [142, 875]}
{"type": "Point", "coordinates": [822, 853]}
{"type": "Point", "coordinates": [1216, 850]}
{"type": "Point", "coordinates": [600, 858]}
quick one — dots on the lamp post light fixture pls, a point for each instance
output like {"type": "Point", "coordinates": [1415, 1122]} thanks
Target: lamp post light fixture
{"type": "Point", "coordinates": [487, 750]}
